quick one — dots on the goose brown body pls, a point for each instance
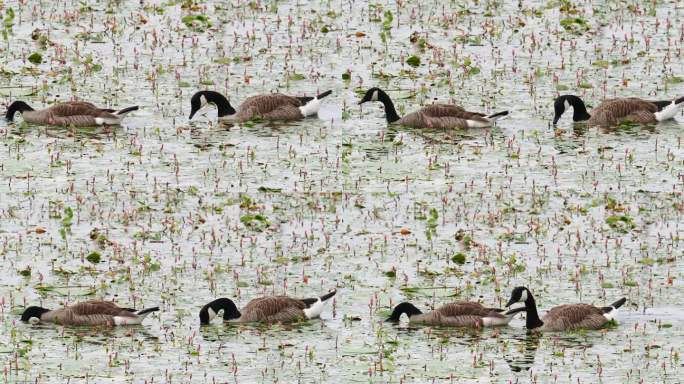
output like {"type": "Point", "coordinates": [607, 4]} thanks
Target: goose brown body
{"type": "Point", "coordinates": [443, 116]}
{"type": "Point", "coordinates": [273, 309]}
{"type": "Point", "coordinates": [462, 314]}
{"type": "Point", "coordinates": [270, 107]}
{"type": "Point", "coordinates": [569, 317]}
{"type": "Point", "coordinates": [566, 317]}
{"type": "Point", "coordinates": [75, 113]}
{"type": "Point", "coordinates": [268, 309]}
{"type": "Point", "coordinates": [616, 111]}
{"type": "Point", "coordinates": [93, 312]}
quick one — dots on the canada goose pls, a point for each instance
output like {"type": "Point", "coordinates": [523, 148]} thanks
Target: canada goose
{"type": "Point", "coordinates": [463, 314]}
{"type": "Point", "coordinates": [432, 116]}
{"type": "Point", "coordinates": [274, 106]}
{"type": "Point", "coordinates": [615, 111]}
{"type": "Point", "coordinates": [73, 113]}
{"type": "Point", "coordinates": [268, 309]}
{"type": "Point", "coordinates": [564, 317]}
{"type": "Point", "coordinates": [92, 312]}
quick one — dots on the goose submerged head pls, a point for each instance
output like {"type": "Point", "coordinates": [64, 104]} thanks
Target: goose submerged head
{"type": "Point", "coordinates": [200, 99]}
{"type": "Point", "coordinates": [562, 103]}
{"type": "Point", "coordinates": [17, 106]}
{"type": "Point", "coordinates": [32, 313]}
{"type": "Point", "coordinates": [211, 310]}
{"type": "Point", "coordinates": [407, 308]}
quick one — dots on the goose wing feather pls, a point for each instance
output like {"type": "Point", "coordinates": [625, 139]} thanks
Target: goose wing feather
{"type": "Point", "coordinates": [273, 309]}
{"type": "Point", "coordinates": [467, 309]}
{"type": "Point", "coordinates": [574, 316]}
{"type": "Point", "coordinates": [449, 110]}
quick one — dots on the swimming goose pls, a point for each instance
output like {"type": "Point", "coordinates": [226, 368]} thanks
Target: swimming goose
{"type": "Point", "coordinates": [73, 113]}
{"type": "Point", "coordinates": [463, 314]}
{"type": "Point", "coordinates": [566, 317]}
{"type": "Point", "coordinates": [92, 312]}
{"type": "Point", "coordinates": [268, 309]}
{"type": "Point", "coordinates": [615, 111]}
{"type": "Point", "coordinates": [432, 116]}
{"type": "Point", "coordinates": [270, 107]}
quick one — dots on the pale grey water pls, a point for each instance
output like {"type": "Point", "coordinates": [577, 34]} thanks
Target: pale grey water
{"type": "Point", "coordinates": [169, 193]}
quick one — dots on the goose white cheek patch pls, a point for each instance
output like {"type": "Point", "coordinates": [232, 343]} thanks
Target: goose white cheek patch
{"type": "Point", "coordinates": [34, 320]}
{"type": "Point", "coordinates": [212, 314]}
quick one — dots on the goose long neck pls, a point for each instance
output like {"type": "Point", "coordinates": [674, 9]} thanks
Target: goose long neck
{"type": "Point", "coordinates": [579, 109]}
{"type": "Point", "coordinates": [533, 321]}
{"type": "Point", "coordinates": [390, 112]}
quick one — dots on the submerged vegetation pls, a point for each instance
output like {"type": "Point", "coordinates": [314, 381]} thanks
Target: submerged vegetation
{"type": "Point", "coordinates": [170, 212]}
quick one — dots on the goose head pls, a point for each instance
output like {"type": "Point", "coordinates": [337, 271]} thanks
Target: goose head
{"type": "Point", "coordinates": [562, 103]}
{"type": "Point", "coordinates": [202, 98]}
{"type": "Point", "coordinates": [519, 295]}
{"type": "Point", "coordinates": [33, 314]}
{"type": "Point", "coordinates": [407, 308]}
{"type": "Point", "coordinates": [17, 106]}
{"type": "Point", "coordinates": [211, 310]}
{"type": "Point", "coordinates": [373, 94]}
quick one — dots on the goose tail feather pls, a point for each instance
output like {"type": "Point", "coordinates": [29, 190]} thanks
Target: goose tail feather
{"type": "Point", "coordinates": [497, 115]}
{"type": "Point", "coordinates": [146, 311]}
{"type": "Point", "coordinates": [126, 110]}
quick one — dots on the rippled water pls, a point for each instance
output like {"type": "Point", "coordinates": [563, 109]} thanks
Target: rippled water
{"type": "Point", "coordinates": [576, 214]}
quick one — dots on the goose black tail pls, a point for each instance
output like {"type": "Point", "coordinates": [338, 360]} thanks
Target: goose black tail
{"type": "Point", "coordinates": [664, 103]}
{"type": "Point", "coordinates": [497, 115]}
{"type": "Point", "coordinates": [324, 94]}
{"type": "Point", "coordinates": [311, 301]}
{"type": "Point", "coordinates": [615, 305]}
{"type": "Point", "coordinates": [328, 295]}
{"type": "Point", "coordinates": [126, 110]}
{"type": "Point", "coordinates": [146, 311]}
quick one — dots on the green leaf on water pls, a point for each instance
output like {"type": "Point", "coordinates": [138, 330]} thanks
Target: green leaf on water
{"type": "Point", "coordinates": [601, 63]}
{"type": "Point", "coordinates": [94, 257]}
{"type": "Point", "coordinates": [35, 58]}
{"type": "Point", "coordinates": [413, 61]}
{"type": "Point", "coordinates": [459, 258]}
